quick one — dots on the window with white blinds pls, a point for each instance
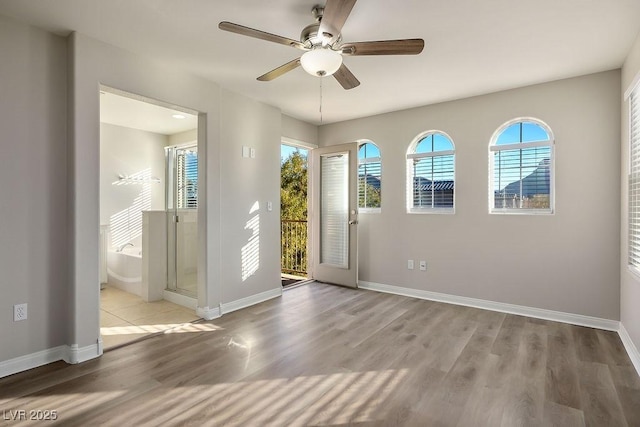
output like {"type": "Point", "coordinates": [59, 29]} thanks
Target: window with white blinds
{"type": "Point", "coordinates": [369, 178]}
{"type": "Point", "coordinates": [634, 178]}
{"type": "Point", "coordinates": [521, 168]}
{"type": "Point", "coordinates": [334, 210]}
{"type": "Point", "coordinates": [431, 174]}
{"type": "Point", "coordinates": [187, 178]}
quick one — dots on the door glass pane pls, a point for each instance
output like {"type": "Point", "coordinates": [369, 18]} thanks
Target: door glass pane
{"type": "Point", "coordinates": [182, 204]}
{"type": "Point", "coordinates": [334, 212]}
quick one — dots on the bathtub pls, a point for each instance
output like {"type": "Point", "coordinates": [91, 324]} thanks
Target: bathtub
{"type": "Point", "coordinates": [124, 269]}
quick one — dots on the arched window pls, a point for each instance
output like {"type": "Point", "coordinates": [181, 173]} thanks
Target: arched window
{"type": "Point", "coordinates": [521, 168]}
{"type": "Point", "coordinates": [431, 173]}
{"type": "Point", "coordinates": [369, 177]}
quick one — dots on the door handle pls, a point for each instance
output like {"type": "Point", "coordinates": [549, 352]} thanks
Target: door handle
{"type": "Point", "coordinates": [353, 222]}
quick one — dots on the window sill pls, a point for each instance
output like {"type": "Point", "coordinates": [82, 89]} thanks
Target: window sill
{"type": "Point", "coordinates": [521, 212]}
{"type": "Point", "coordinates": [436, 211]}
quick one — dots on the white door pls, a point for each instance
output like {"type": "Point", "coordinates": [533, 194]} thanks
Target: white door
{"type": "Point", "coordinates": [335, 214]}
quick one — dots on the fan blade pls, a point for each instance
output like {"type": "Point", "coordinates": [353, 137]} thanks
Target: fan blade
{"type": "Point", "coordinates": [277, 72]}
{"type": "Point", "coordinates": [251, 32]}
{"type": "Point", "coordinates": [334, 16]}
{"type": "Point", "coordinates": [384, 47]}
{"type": "Point", "coordinates": [346, 78]}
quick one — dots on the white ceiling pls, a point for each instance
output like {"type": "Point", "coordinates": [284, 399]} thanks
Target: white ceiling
{"type": "Point", "coordinates": [132, 113]}
{"type": "Point", "coordinates": [472, 47]}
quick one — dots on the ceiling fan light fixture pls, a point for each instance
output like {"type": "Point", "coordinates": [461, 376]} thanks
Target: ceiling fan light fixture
{"type": "Point", "coordinates": [321, 61]}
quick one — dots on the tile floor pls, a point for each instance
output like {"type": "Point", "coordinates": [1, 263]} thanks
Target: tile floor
{"type": "Point", "coordinates": [125, 317]}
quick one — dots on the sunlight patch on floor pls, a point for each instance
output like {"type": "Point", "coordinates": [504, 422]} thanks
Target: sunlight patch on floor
{"type": "Point", "coordinates": [167, 328]}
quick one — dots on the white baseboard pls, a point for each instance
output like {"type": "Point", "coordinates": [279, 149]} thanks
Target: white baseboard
{"type": "Point", "coordinates": [76, 354]}
{"type": "Point", "coordinates": [631, 348]}
{"type": "Point", "coordinates": [33, 360]}
{"type": "Point", "coordinates": [180, 299]}
{"type": "Point", "coordinates": [252, 300]}
{"type": "Point", "coordinates": [208, 313]}
{"type": "Point", "coordinates": [71, 354]}
{"type": "Point", "coordinates": [539, 313]}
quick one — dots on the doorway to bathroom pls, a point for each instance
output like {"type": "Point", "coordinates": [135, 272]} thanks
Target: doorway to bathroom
{"type": "Point", "coordinates": [148, 217]}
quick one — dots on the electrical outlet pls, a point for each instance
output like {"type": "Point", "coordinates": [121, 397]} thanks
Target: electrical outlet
{"type": "Point", "coordinates": [19, 312]}
{"type": "Point", "coordinates": [423, 265]}
{"type": "Point", "coordinates": [410, 264]}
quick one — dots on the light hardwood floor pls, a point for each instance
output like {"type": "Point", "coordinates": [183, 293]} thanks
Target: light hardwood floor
{"type": "Point", "coordinates": [324, 355]}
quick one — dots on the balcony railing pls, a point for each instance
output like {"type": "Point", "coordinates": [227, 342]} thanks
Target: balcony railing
{"type": "Point", "coordinates": [294, 246]}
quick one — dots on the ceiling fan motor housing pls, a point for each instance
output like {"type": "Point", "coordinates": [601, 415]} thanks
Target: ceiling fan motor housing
{"type": "Point", "coordinates": [311, 36]}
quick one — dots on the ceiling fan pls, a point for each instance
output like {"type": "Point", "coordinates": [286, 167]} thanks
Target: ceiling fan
{"type": "Point", "coordinates": [323, 46]}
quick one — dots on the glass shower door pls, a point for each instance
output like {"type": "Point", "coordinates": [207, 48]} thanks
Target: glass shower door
{"type": "Point", "coordinates": [182, 219]}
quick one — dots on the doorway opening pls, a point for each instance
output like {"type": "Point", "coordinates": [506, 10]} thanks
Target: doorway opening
{"type": "Point", "coordinates": [137, 238]}
{"type": "Point", "coordinates": [294, 259]}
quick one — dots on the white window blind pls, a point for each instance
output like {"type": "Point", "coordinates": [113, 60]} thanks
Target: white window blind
{"type": "Point", "coordinates": [433, 185]}
{"type": "Point", "coordinates": [521, 178]}
{"type": "Point", "coordinates": [521, 164]}
{"type": "Point", "coordinates": [431, 174]}
{"type": "Point", "coordinates": [634, 178]}
{"type": "Point", "coordinates": [334, 211]}
{"type": "Point", "coordinates": [187, 178]}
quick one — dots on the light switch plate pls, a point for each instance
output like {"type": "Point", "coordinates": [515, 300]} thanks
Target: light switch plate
{"type": "Point", "coordinates": [423, 265]}
{"type": "Point", "coordinates": [410, 264]}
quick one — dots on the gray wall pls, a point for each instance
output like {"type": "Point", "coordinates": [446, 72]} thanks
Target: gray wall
{"type": "Point", "coordinates": [33, 171]}
{"type": "Point", "coordinates": [299, 130]}
{"type": "Point", "coordinates": [250, 233]}
{"type": "Point", "coordinates": [567, 262]}
{"type": "Point", "coordinates": [630, 283]}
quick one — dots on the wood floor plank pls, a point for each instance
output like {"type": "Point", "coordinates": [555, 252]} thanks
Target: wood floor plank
{"type": "Point", "coordinates": [588, 346]}
{"type": "Point", "coordinates": [507, 340]}
{"type": "Point", "coordinates": [324, 355]}
{"type": "Point", "coordinates": [562, 385]}
{"type": "Point", "coordinates": [600, 402]}
{"type": "Point", "coordinates": [630, 401]}
{"type": "Point", "coordinates": [485, 406]}
{"type": "Point", "coordinates": [444, 408]}
{"type": "Point", "coordinates": [556, 415]}
{"type": "Point", "coordinates": [525, 402]}
{"type": "Point", "coordinates": [613, 348]}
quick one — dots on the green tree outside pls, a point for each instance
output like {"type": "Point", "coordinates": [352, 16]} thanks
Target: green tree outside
{"type": "Point", "coordinates": [293, 207]}
{"type": "Point", "coordinates": [293, 188]}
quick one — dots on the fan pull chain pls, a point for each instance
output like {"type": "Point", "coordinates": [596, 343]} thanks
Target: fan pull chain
{"type": "Point", "coordinates": [320, 100]}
